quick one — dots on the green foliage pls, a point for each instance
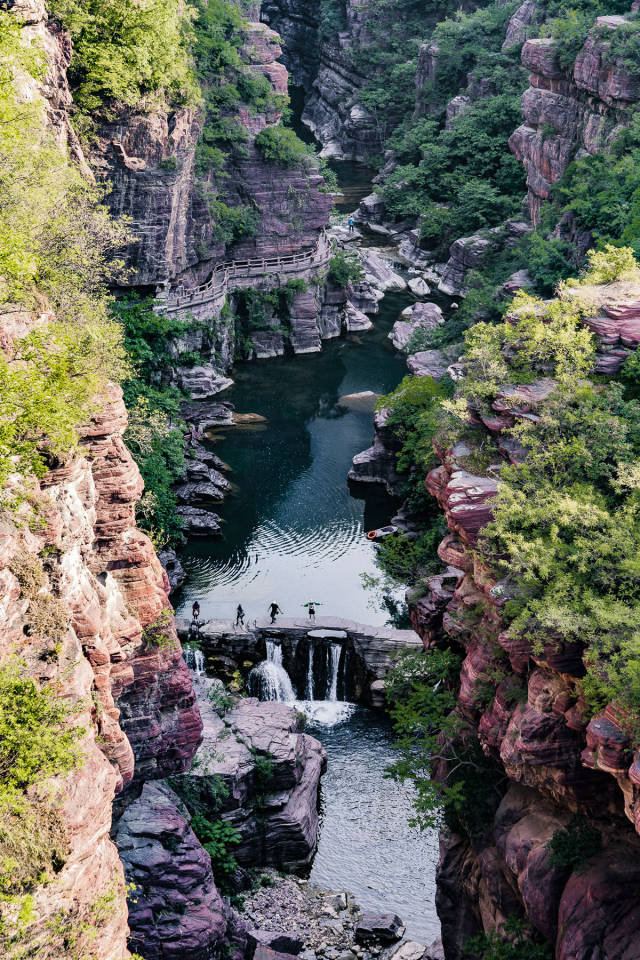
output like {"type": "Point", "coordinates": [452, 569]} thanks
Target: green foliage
{"type": "Point", "coordinates": [219, 839]}
{"type": "Point", "coordinates": [37, 741]}
{"type": "Point", "coordinates": [514, 940]}
{"type": "Point", "coordinates": [54, 240]}
{"type": "Point", "coordinates": [161, 633]}
{"type": "Point", "coordinates": [406, 561]}
{"type": "Point", "coordinates": [461, 179]}
{"type": "Point", "coordinates": [573, 846]}
{"type": "Point", "coordinates": [263, 769]}
{"type": "Point", "coordinates": [344, 269]}
{"type": "Point", "coordinates": [333, 17]}
{"type": "Point", "coordinates": [436, 753]}
{"type": "Point", "coordinates": [281, 145]}
{"type": "Point", "coordinates": [570, 24]}
{"type": "Point", "coordinates": [128, 53]}
{"type": "Point", "coordinates": [156, 432]}
{"type": "Point", "coordinates": [220, 699]}
{"type": "Point", "coordinates": [566, 525]}
{"type": "Point", "coordinates": [414, 417]}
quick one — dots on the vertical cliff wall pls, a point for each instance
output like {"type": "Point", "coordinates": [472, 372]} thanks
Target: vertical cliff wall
{"type": "Point", "coordinates": [84, 612]}
{"type": "Point", "coordinates": [569, 114]}
{"type": "Point", "coordinates": [524, 702]}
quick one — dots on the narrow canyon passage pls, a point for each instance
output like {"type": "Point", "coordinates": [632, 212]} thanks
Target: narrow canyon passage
{"type": "Point", "coordinates": [294, 529]}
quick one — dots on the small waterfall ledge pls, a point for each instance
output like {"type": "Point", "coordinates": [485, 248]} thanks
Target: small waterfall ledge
{"type": "Point", "coordinates": [333, 660]}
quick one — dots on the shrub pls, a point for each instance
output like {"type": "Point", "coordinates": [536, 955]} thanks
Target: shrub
{"type": "Point", "coordinates": [161, 633]}
{"type": "Point", "coordinates": [281, 145]}
{"type": "Point", "coordinates": [572, 846]}
{"type": "Point", "coordinates": [344, 269]}
{"type": "Point", "coordinates": [37, 741]}
{"type": "Point", "coordinates": [515, 940]}
{"type": "Point", "coordinates": [55, 238]}
{"type": "Point", "coordinates": [219, 839]}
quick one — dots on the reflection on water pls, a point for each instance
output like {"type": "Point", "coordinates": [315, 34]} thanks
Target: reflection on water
{"type": "Point", "coordinates": [366, 845]}
{"type": "Point", "coordinates": [293, 530]}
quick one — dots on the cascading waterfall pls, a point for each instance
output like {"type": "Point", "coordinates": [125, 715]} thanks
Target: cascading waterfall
{"type": "Point", "coordinates": [194, 658]}
{"type": "Point", "coordinates": [309, 688]}
{"type": "Point", "coordinates": [335, 651]}
{"type": "Point", "coordinates": [269, 680]}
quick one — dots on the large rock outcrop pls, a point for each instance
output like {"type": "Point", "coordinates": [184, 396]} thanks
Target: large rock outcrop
{"type": "Point", "coordinates": [569, 115]}
{"type": "Point", "coordinates": [524, 703]}
{"type": "Point", "coordinates": [174, 905]}
{"type": "Point", "coordinates": [270, 773]}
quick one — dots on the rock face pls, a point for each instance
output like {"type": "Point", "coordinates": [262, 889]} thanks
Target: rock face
{"type": "Point", "coordinates": [135, 699]}
{"type": "Point", "coordinates": [271, 772]}
{"type": "Point", "coordinates": [377, 464]}
{"type": "Point", "coordinates": [173, 905]}
{"type": "Point", "coordinates": [584, 110]}
{"type": "Point", "coordinates": [150, 163]}
{"type": "Point", "coordinates": [533, 724]}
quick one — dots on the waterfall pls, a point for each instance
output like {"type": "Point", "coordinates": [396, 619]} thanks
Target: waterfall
{"type": "Point", "coordinates": [335, 651]}
{"type": "Point", "coordinates": [309, 690]}
{"type": "Point", "coordinates": [194, 658]}
{"type": "Point", "coordinates": [269, 680]}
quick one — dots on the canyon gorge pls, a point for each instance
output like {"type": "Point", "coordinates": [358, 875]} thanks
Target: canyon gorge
{"type": "Point", "coordinates": [237, 242]}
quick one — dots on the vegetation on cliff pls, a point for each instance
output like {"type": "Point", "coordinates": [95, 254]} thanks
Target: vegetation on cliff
{"type": "Point", "coordinates": [55, 237]}
{"type": "Point", "coordinates": [127, 53]}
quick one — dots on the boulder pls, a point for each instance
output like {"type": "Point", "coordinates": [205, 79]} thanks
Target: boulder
{"type": "Point", "coordinates": [212, 490]}
{"type": "Point", "coordinates": [203, 381]}
{"type": "Point", "coordinates": [379, 273]}
{"type": "Point", "coordinates": [274, 940]}
{"type": "Point", "coordinates": [175, 909]}
{"type": "Point", "coordinates": [198, 522]}
{"type": "Point", "coordinates": [355, 320]}
{"type": "Point", "coordinates": [409, 950]}
{"type": "Point", "coordinates": [433, 363]}
{"type": "Point", "coordinates": [420, 316]}
{"type": "Point", "coordinates": [419, 287]}
{"type": "Point", "coordinates": [366, 400]}
{"type": "Point", "coordinates": [379, 928]}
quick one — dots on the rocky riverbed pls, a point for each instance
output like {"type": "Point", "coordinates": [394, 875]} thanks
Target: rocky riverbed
{"type": "Point", "coordinates": [325, 925]}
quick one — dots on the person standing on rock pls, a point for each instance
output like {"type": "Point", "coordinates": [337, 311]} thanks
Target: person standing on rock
{"type": "Point", "coordinates": [195, 611]}
{"type": "Point", "coordinates": [312, 609]}
{"type": "Point", "coordinates": [240, 616]}
{"type": "Point", "coordinates": [274, 610]}
{"type": "Point", "coordinates": [351, 224]}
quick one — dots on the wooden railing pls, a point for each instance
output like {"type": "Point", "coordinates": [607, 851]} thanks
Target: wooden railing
{"type": "Point", "coordinates": [233, 273]}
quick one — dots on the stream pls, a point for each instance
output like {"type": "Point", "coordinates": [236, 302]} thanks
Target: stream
{"type": "Point", "coordinates": [295, 530]}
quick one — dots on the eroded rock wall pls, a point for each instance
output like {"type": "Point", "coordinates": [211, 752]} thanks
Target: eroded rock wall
{"type": "Point", "coordinates": [534, 724]}
{"type": "Point", "coordinates": [568, 115]}
{"type": "Point", "coordinates": [77, 526]}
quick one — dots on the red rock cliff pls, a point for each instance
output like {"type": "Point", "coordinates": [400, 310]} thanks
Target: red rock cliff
{"type": "Point", "coordinates": [534, 725]}
{"type": "Point", "coordinates": [570, 114]}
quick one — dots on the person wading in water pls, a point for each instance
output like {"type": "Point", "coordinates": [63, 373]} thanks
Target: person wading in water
{"type": "Point", "coordinates": [274, 610]}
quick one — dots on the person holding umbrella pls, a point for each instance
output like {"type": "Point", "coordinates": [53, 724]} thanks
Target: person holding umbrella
{"type": "Point", "coordinates": [312, 608]}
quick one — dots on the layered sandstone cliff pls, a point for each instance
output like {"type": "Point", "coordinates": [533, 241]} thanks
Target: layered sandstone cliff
{"type": "Point", "coordinates": [568, 115]}
{"type": "Point", "coordinates": [533, 723]}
